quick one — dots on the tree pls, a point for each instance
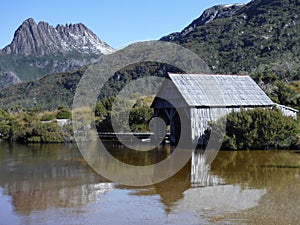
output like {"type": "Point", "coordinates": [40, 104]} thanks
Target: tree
{"type": "Point", "coordinates": [139, 115]}
{"type": "Point", "coordinates": [139, 118]}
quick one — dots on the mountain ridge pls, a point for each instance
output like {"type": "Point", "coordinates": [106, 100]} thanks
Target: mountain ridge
{"type": "Point", "coordinates": [38, 49]}
{"type": "Point", "coordinates": [262, 33]}
{"type": "Point", "coordinates": [41, 39]}
{"type": "Point", "coordinates": [210, 14]}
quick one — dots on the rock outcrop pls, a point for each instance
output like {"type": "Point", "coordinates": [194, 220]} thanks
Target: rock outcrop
{"type": "Point", "coordinates": [210, 14]}
{"type": "Point", "coordinates": [38, 49]}
{"type": "Point", "coordinates": [43, 39]}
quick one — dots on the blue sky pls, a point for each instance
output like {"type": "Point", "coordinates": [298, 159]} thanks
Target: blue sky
{"type": "Point", "coordinates": [117, 22]}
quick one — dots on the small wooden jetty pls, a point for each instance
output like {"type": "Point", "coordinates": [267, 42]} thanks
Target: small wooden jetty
{"type": "Point", "coordinates": [126, 136]}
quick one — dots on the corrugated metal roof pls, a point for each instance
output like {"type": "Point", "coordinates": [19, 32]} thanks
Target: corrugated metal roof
{"type": "Point", "coordinates": [219, 90]}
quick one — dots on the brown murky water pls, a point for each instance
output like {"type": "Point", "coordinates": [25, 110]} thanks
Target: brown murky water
{"type": "Point", "coordinates": [52, 184]}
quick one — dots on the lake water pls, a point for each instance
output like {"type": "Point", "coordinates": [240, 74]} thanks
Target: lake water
{"type": "Point", "coordinates": [52, 184]}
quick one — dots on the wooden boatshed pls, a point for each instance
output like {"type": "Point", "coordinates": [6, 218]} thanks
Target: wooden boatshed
{"type": "Point", "coordinates": [187, 102]}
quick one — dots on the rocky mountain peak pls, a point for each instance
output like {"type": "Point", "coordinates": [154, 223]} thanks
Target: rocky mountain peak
{"type": "Point", "coordinates": [210, 14]}
{"type": "Point", "coordinates": [29, 21]}
{"type": "Point", "coordinates": [43, 39]}
{"type": "Point", "coordinates": [216, 12]}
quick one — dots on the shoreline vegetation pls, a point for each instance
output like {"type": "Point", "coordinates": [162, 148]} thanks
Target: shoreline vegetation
{"type": "Point", "coordinates": [249, 129]}
{"type": "Point", "coordinates": [34, 126]}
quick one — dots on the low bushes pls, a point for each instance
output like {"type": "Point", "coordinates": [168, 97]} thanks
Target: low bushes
{"type": "Point", "coordinates": [259, 129]}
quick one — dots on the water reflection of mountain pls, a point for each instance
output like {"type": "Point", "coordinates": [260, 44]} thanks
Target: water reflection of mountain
{"type": "Point", "coordinates": [258, 169]}
{"type": "Point", "coordinates": [235, 181]}
{"type": "Point", "coordinates": [277, 172]}
{"type": "Point", "coordinates": [39, 177]}
{"type": "Point", "coordinates": [218, 200]}
{"type": "Point", "coordinates": [56, 176]}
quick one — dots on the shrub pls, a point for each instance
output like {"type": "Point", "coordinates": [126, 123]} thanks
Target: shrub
{"type": "Point", "coordinates": [26, 127]}
{"type": "Point", "coordinates": [258, 129]}
{"type": "Point", "coordinates": [64, 113]}
{"type": "Point", "coordinates": [139, 118]}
